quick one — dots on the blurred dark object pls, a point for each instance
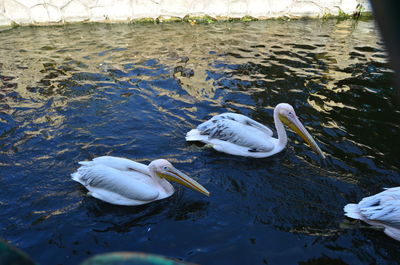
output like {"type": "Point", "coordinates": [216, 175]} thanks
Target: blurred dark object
{"type": "Point", "coordinates": [386, 14]}
{"type": "Point", "coordinates": [10, 255]}
{"type": "Point", "coordinates": [131, 258]}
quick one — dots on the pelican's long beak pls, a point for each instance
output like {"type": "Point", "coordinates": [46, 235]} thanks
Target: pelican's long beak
{"type": "Point", "coordinates": [297, 127]}
{"type": "Point", "coordinates": [183, 179]}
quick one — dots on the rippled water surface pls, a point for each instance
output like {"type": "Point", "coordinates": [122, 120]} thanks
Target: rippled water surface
{"type": "Point", "coordinates": [71, 93]}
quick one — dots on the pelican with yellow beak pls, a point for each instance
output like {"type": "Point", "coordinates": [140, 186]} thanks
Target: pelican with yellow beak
{"type": "Point", "coordinates": [122, 181]}
{"type": "Point", "coordinates": [237, 134]}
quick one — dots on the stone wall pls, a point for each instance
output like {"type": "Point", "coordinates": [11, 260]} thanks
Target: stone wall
{"type": "Point", "coordinates": [28, 12]}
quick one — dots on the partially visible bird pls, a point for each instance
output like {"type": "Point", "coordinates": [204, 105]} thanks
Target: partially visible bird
{"type": "Point", "coordinates": [122, 181]}
{"type": "Point", "coordinates": [381, 210]}
{"type": "Point", "coordinates": [237, 134]}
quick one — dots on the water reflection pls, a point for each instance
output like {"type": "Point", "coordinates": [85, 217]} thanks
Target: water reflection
{"type": "Point", "coordinates": [71, 93]}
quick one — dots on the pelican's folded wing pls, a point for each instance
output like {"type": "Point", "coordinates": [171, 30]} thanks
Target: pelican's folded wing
{"type": "Point", "coordinates": [119, 163]}
{"type": "Point", "coordinates": [132, 185]}
{"type": "Point", "coordinates": [383, 207]}
{"type": "Point", "coordinates": [243, 120]}
{"type": "Point", "coordinates": [237, 133]}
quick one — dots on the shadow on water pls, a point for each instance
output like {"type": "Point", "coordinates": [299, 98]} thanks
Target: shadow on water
{"type": "Point", "coordinates": [71, 93]}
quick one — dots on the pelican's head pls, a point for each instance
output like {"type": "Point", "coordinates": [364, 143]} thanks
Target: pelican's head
{"type": "Point", "coordinates": [166, 170]}
{"type": "Point", "coordinates": [288, 116]}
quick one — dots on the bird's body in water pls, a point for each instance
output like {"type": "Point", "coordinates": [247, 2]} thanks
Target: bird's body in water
{"type": "Point", "coordinates": [380, 210]}
{"type": "Point", "coordinates": [122, 181]}
{"type": "Point", "coordinates": [237, 134]}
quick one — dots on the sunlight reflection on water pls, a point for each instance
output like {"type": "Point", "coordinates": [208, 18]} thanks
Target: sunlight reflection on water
{"type": "Point", "coordinates": [71, 93]}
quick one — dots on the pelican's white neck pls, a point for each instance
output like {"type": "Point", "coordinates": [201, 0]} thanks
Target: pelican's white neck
{"type": "Point", "coordinates": [153, 171]}
{"type": "Point", "coordinates": [280, 129]}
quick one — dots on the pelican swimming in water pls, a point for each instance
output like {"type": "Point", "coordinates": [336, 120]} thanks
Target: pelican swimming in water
{"type": "Point", "coordinates": [122, 181]}
{"type": "Point", "coordinates": [237, 134]}
{"type": "Point", "coordinates": [381, 210]}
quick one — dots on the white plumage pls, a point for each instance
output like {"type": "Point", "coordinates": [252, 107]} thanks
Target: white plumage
{"type": "Point", "coordinates": [382, 210]}
{"type": "Point", "coordinates": [122, 181]}
{"type": "Point", "coordinates": [237, 134]}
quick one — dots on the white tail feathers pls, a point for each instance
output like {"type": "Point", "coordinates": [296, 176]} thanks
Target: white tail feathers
{"type": "Point", "coordinates": [85, 163]}
{"type": "Point", "coordinates": [82, 173]}
{"type": "Point", "coordinates": [353, 211]}
{"type": "Point", "coordinates": [194, 135]}
{"type": "Point", "coordinates": [75, 176]}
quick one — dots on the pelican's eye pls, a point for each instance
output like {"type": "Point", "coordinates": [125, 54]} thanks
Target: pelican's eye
{"type": "Point", "coordinates": [166, 168]}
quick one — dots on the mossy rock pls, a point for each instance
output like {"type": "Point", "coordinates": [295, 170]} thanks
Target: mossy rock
{"type": "Point", "coordinates": [143, 20]}
{"type": "Point", "coordinates": [14, 24]}
{"type": "Point", "coordinates": [199, 19]}
{"type": "Point", "coordinates": [343, 15]}
{"type": "Point", "coordinates": [365, 16]}
{"type": "Point", "coordinates": [162, 19]}
{"type": "Point", "coordinates": [222, 19]}
{"type": "Point", "coordinates": [248, 19]}
{"type": "Point", "coordinates": [131, 258]}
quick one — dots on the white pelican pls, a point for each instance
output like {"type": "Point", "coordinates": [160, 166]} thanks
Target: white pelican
{"type": "Point", "coordinates": [237, 134]}
{"type": "Point", "coordinates": [381, 210]}
{"type": "Point", "coordinates": [122, 181]}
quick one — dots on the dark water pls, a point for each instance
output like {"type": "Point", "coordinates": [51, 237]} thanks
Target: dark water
{"type": "Point", "coordinates": [75, 92]}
